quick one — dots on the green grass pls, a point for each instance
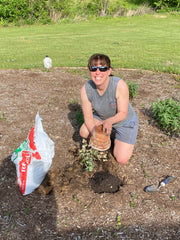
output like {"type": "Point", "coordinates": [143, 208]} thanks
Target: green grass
{"type": "Point", "coordinates": [141, 42]}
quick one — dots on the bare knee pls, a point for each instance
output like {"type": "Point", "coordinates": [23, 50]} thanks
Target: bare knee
{"type": "Point", "coordinates": [123, 151]}
{"type": "Point", "coordinates": [121, 159]}
{"type": "Point", "coordinates": [84, 133]}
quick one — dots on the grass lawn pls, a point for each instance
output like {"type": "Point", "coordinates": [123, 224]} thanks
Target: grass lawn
{"type": "Point", "coordinates": [141, 42]}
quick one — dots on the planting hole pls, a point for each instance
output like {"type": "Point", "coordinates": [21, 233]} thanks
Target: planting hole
{"type": "Point", "coordinates": [104, 182]}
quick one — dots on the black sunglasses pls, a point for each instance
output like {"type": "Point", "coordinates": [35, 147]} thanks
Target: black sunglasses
{"type": "Point", "coordinates": [101, 69]}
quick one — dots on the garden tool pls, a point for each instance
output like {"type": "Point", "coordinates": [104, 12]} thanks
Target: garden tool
{"type": "Point", "coordinates": [152, 188]}
{"type": "Point", "coordinates": [100, 140]}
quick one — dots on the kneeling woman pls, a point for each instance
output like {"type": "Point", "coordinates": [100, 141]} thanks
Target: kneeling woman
{"type": "Point", "coordinates": [105, 100]}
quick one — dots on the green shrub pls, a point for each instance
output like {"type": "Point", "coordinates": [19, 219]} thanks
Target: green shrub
{"type": "Point", "coordinates": [160, 4]}
{"type": "Point", "coordinates": [79, 117]}
{"type": "Point", "coordinates": [24, 10]}
{"type": "Point", "coordinates": [29, 12]}
{"type": "Point", "coordinates": [133, 89]}
{"type": "Point", "coordinates": [167, 114]}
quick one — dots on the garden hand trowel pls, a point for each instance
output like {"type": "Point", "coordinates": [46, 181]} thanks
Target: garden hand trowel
{"type": "Point", "coordinates": [152, 188]}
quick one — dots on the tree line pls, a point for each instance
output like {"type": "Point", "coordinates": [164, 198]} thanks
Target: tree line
{"type": "Point", "coordinates": [45, 11]}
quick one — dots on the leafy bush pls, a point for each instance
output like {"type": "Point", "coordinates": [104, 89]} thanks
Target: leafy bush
{"type": "Point", "coordinates": [167, 114]}
{"type": "Point", "coordinates": [79, 117]}
{"type": "Point", "coordinates": [160, 4]}
{"type": "Point", "coordinates": [133, 89]}
{"type": "Point", "coordinates": [31, 11]}
{"type": "Point", "coordinates": [24, 10]}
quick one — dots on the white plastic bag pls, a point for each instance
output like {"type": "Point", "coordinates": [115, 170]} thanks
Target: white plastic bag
{"type": "Point", "coordinates": [33, 158]}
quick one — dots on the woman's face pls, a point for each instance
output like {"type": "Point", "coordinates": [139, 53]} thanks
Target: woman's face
{"type": "Point", "coordinates": [100, 78]}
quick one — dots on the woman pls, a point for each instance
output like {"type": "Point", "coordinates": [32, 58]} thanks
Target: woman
{"type": "Point", "coordinates": [105, 100]}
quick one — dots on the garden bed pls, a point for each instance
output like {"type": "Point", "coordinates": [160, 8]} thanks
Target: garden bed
{"type": "Point", "coordinates": [66, 205]}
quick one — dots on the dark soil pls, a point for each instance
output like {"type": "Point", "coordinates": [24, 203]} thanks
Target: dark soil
{"type": "Point", "coordinates": [105, 182]}
{"type": "Point", "coordinates": [72, 203]}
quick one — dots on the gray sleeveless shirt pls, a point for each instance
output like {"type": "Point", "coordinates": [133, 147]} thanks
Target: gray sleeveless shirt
{"type": "Point", "coordinates": [105, 106]}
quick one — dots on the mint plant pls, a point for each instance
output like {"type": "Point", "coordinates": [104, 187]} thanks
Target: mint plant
{"type": "Point", "coordinates": [167, 114]}
{"type": "Point", "coordinates": [88, 156]}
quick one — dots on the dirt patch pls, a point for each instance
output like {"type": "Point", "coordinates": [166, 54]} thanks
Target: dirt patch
{"type": "Point", "coordinates": [105, 182]}
{"type": "Point", "coordinates": [66, 205]}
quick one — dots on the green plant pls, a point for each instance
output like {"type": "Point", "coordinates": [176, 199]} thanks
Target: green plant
{"type": "Point", "coordinates": [8, 214]}
{"type": "Point", "coordinates": [173, 197]}
{"type": "Point", "coordinates": [2, 116]}
{"type": "Point", "coordinates": [87, 160]}
{"type": "Point", "coordinates": [26, 210]}
{"type": "Point", "coordinates": [24, 11]}
{"type": "Point", "coordinates": [118, 220]}
{"type": "Point", "coordinates": [167, 114]}
{"type": "Point", "coordinates": [146, 173]}
{"type": "Point", "coordinates": [78, 111]}
{"type": "Point", "coordinates": [79, 116]}
{"type": "Point", "coordinates": [81, 203]}
{"type": "Point", "coordinates": [167, 4]}
{"type": "Point", "coordinates": [135, 195]}
{"type": "Point", "coordinates": [133, 89]}
{"type": "Point", "coordinates": [132, 204]}
{"type": "Point", "coordinates": [73, 101]}
{"type": "Point", "coordinates": [88, 156]}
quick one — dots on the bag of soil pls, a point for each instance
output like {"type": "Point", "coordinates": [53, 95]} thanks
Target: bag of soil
{"type": "Point", "coordinates": [33, 158]}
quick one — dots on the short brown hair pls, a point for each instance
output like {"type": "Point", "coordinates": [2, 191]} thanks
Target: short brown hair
{"type": "Point", "coordinates": [104, 60]}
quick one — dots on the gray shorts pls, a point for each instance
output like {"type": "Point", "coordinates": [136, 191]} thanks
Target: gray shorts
{"type": "Point", "coordinates": [128, 132]}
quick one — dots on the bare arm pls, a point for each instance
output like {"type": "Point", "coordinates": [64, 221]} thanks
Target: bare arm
{"type": "Point", "coordinates": [122, 97]}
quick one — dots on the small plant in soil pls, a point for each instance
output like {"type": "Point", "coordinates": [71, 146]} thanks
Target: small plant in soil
{"type": "Point", "coordinates": [173, 197]}
{"type": "Point", "coordinates": [146, 173]}
{"type": "Point", "coordinates": [8, 214]}
{"type": "Point", "coordinates": [81, 203]}
{"type": "Point", "coordinates": [133, 203]}
{"type": "Point", "coordinates": [73, 101]}
{"type": "Point", "coordinates": [118, 220]}
{"type": "Point", "coordinates": [2, 116]}
{"type": "Point", "coordinates": [26, 210]}
{"type": "Point", "coordinates": [88, 156]}
{"type": "Point", "coordinates": [167, 114]}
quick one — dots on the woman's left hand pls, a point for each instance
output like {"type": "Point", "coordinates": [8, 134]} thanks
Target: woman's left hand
{"type": "Point", "coordinates": [107, 127]}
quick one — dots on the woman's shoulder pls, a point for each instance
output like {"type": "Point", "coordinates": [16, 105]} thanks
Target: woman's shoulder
{"type": "Point", "coordinates": [115, 79]}
{"type": "Point", "coordinates": [90, 84]}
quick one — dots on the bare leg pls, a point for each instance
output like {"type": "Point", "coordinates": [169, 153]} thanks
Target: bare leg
{"type": "Point", "coordinates": [122, 151]}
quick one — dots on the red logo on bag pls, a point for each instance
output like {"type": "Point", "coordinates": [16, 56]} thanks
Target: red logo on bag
{"type": "Point", "coordinates": [23, 165]}
{"type": "Point", "coordinates": [26, 160]}
{"type": "Point", "coordinates": [32, 144]}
